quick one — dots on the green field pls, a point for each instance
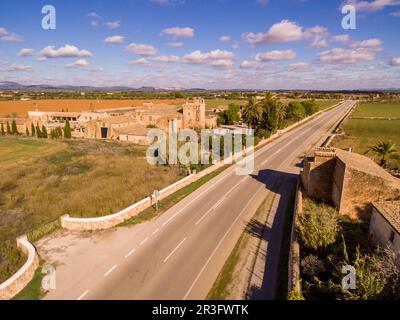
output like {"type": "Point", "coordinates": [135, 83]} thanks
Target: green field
{"type": "Point", "coordinates": [378, 109]}
{"type": "Point", "coordinates": [42, 180]}
{"type": "Point", "coordinates": [363, 133]}
{"type": "Point", "coordinates": [223, 103]}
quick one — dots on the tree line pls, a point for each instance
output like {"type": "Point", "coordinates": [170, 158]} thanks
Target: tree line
{"type": "Point", "coordinates": [268, 115]}
{"type": "Point", "coordinates": [37, 131]}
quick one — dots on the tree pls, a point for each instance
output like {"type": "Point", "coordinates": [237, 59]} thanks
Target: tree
{"type": "Point", "coordinates": [271, 114]}
{"type": "Point", "coordinates": [384, 150]}
{"type": "Point", "coordinates": [2, 132]}
{"type": "Point", "coordinates": [38, 132]}
{"type": "Point", "coordinates": [229, 116]}
{"type": "Point", "coordinates": [27, 131]}
{"type": "Point", "coordinates": [310, 107]}
{"type": "Point", "coordinates": [14, 128]}
{"type": "Point", "coordinates": [44, 132]}
{"type": "Point", "coordinates": [33, 133]}
{"type": "Point", "coordinates": [295, 111]}
{"type": "Point", "coordinates": [67, 130]}
{"type": "Point", "coordinates": [8, 129]}
{"type": "Point", "coordinates": [251, 113]}
{"type": "Point", "coordinates": [318, 226]}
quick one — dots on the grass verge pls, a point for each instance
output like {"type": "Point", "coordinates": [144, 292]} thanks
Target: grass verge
{"type": "Point", "coordinates": [281, 290]}
{"type": "Point", "coordinates": [33, 290]}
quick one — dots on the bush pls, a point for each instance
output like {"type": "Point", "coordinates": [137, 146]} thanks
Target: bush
{"type": "Point", "coordinates": [318, 226]}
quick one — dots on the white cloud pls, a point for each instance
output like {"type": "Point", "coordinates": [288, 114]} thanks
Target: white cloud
{"type": "Point", "coordinates": [215, 58]}
{"type": "Point", "coordinates": [5, 35]}
{"type": "Point", "coordinates": [68, 51]}
{"type": "Point", "coordinates": [375, 5]}
{"type": "Point", "coordinates": [395, 61]}
{"type": "Point", "coordinates": [275, 55]}
{"type": "Point", "coordinates": [141, 49]}
{"type": "Point", "coordinates": [113, 24]}
{"type": "Point", "coordinates": [175, 44]}
{"type": "Point", "coordinates": [160, 1]}
{"type": "Point", "coordinates": [319, 42]}
{"type": "Point", "coordinates": [284, 31]}
{"type": "Point", "coordinates": [347, 56]}
{"type": "Point", "coordinates": [14, 67]}
{"type": "Point", "coordinates": [395, 14]}
{"type": "Point", "coordinates": [166, 59]}
{"type": "Point", "coordinates": [178, 32]}
{"type": "Point", "coordinates": [301, 66]}
{"type": "Point", "coordinates": [370, 43]}
{"type": "Point", "coordinates": [343, 38]}
{"type": "Point", "coordinates": [114, 39]}
{"type": "Point", "coordinates": [318, 30]}
{"type": "Point", "coordinates": [262, 2]}
{"type": "Point", "coordinates": [141, 61]}
{"type": "Point", "coordinates": [26, 52]}
{"type": "Point", "coordinates": [250, 64]}
{"type": "Point", "coordinates": [81, 63]}
{"type": "Point", "coordinates": [93, 15]}
{"type": "Point", "coordinates": [225, 38]}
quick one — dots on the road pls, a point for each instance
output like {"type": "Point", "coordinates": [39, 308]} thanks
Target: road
{"type": "Point", "coordinates": [180, 254]}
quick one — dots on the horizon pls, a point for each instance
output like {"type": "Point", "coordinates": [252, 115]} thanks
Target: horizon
{"type": "Point", "coordinates": [228, 45]}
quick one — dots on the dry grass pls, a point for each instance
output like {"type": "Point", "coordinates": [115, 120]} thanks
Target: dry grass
{"type": "Point", "coordinates": [81, 178]}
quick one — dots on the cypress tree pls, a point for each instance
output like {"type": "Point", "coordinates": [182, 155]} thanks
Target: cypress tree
{"type": "Point", "coordinates": [38, 132]}
{"type": "Point", "coordinates": [59, 132]}
{"type": "Point", "coordinates": [2, 132]}
{"type": "Point", "coordinates": [27, 131]}
{"type": "Point", "coordinates": [8, 129]}
{"type": "Point", "coordinates": [33, 133]}
{"type": "Point", "coordinates": [67, 130]}
{"type": "Point", "coordinates": [14, 128]}
{"type": "Point", "coordinates": [44, 132]}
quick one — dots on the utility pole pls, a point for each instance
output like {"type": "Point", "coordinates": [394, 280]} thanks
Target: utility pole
{"type": "Point", "coordinates": [156, 195]}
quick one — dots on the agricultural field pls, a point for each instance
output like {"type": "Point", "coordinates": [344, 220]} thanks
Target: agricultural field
{"type": "Point", "coordinates": [21, 108]}
{"type": "Point", "coordinates": [376, 109]}
{"type": "Point", "coordinates": [42, 180]}
{"type": "Point", "coordinates": [363, 133]}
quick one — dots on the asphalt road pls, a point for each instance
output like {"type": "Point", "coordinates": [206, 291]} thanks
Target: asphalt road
{"type": "Point", "coordinates": [180, 254]}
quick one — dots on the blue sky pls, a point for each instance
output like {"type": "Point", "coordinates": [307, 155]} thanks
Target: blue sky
{"type": "Point", "coordinates": [213, 44]}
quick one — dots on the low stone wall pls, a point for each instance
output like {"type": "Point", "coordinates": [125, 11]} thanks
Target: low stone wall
{"type": "Point", "coordinates": [23, 276]}
{"type": "Point", "coordinates": [294, 253]}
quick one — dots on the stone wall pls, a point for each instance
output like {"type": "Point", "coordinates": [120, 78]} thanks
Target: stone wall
{"type": "Point", "coordinates": [294, 251]}
{"type": "Point", "coordinates": [23, 276]}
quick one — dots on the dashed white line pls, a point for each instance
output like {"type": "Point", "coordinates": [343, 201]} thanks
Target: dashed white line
{"type": "Point", "coordinates": [143, 242]}
{"type": "Point", "coordinates": [217, 247]}
{"type": "Point", "coordinates": [130, 252]}
{"type": "Point", "coordinates": [109, 271]}
{"type": "Point", "coordinates": [155, 231]}
{"type": "Point", "coordinates": [83, 294]}
{"type": "Point", "coordinates": [173, 251]}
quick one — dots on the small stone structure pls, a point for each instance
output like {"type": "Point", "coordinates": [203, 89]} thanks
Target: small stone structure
{"type": "Point", "coordinates": [348, 180]}
{"type": "Point", "coordinates": [385, 225]}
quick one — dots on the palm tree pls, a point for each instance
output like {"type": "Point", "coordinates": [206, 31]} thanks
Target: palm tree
{"type": "Point", "coordinates": [385, 150]}
{"type": "Point", "coordinates": [251, 113]}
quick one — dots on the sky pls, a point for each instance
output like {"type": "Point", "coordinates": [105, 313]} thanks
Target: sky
{"type": "Point", "coordinates": [211, 44]}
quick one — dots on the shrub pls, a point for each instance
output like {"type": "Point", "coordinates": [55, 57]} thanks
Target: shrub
{"type": "Point", "coordinates": [318, 226]}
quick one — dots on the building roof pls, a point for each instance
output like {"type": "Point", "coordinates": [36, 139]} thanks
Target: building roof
{"type": "Point", "coordinates": [135, 130]}
{"type": "Point", "coordinates": [390, 210]}
{"type": "Point", "coordinates": [65, 114]}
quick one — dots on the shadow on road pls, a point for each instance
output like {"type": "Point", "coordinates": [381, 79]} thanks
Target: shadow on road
{"type": "Point", "coordinates": [268, 277]}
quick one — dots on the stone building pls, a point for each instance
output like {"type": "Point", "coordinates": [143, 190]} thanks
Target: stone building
{"type": "Point", "coordinates": [348, 180]}
{"type": "Point", "coordinates": [385, 225]}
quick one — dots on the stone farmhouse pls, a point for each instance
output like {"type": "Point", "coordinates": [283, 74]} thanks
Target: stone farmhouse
{"type": "Point", "coordinates": [128, 124]}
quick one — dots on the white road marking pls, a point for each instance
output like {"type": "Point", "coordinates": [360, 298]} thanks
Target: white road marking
{"type": "Point", "coordinates": [155, 231]}
{"type": "Point", "coordinates": [83, 294]}
{"type": "Point", "coordinates": [217, 247]}
{"type": "Point", "coordinates": [130, 252]}
{"type": "Point", "coordinates": [109, 271]}
{"type": "Point", "coordinates": [142, 243]}
{"type": "Point", "coordinates": [173, 251]}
